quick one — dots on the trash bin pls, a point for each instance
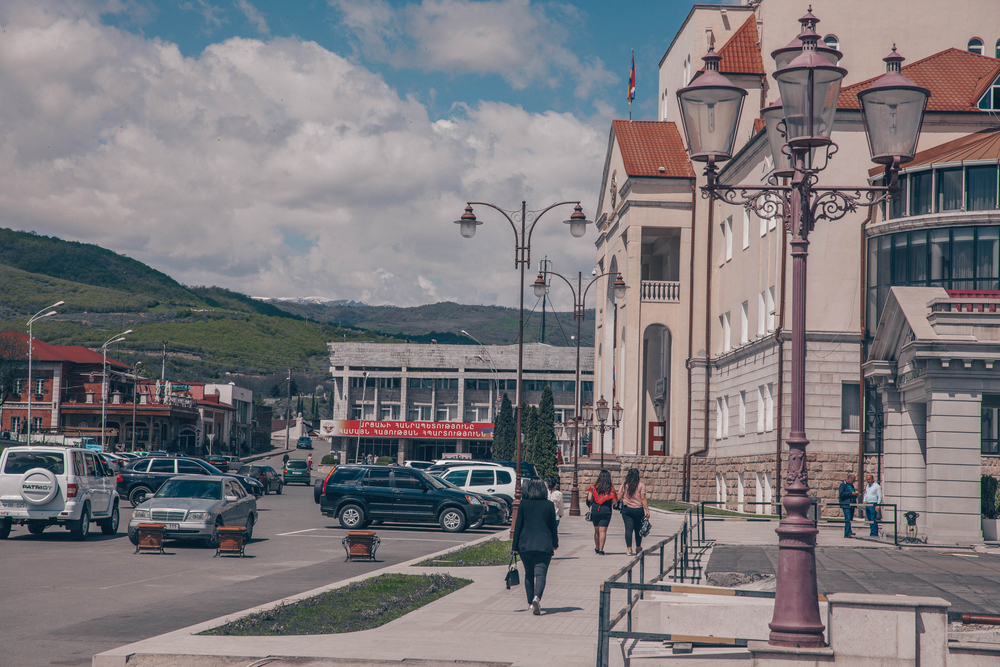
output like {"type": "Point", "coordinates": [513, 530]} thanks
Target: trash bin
{"type": "Point", "coordinates": [813, 512]}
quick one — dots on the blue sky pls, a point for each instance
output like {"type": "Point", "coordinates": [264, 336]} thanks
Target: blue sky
{"type": "Point", "coordinates": [318, 148]}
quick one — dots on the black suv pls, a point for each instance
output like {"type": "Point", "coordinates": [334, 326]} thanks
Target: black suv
{"type": "Point", "coordinates": [359, 494]}
{"type": "Point", "coordinates": [144, 477]}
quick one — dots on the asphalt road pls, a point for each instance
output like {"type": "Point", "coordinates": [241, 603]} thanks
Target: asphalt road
{"type": "Point", "coordinates": [63, 601]}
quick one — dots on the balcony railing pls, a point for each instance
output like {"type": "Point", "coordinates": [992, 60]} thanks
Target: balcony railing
{"type": "Point", "coordinates": [661, 291]}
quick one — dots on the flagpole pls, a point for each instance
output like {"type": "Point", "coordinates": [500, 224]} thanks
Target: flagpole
{"type": "Point", "coordinates": [631, 87]}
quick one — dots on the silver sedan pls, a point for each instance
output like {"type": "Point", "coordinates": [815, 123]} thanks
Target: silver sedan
{"type": "Point", "coordinates": [194, 507]}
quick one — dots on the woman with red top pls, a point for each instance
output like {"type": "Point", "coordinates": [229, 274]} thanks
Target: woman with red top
{"type": "Point", "coordinates": [634, 508]}
{"type": "Point", "coordinates": [600, 498]}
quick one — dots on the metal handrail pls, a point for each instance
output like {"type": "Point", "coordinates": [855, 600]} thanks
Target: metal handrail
{"type": "Point", "coordinates": [689, 546]}
{"type": "Point", "coordinates": [894, 522]}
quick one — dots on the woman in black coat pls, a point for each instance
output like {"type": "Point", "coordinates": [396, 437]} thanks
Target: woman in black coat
{"type": "Point", "coordinates": [535, 539]}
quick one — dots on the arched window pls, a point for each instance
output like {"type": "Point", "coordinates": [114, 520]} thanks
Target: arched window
{"type": "Point", "coordinates": [998, 49]}
{"type": "Point", "coordinates": [832, 42]}
{"type": "Point", "coordinates": [976, 46]}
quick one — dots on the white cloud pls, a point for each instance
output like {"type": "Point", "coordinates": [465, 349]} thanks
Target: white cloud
{"type": "Point", "coordinates": [525, 44]}
{"type": "Point", "coordinates": [201, 167]}
{"type": "Point", "coordinates": [253, 16]}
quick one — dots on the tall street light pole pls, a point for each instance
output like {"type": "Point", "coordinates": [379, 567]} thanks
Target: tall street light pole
{"type": "Point", "coordinates": [105, 385]}
{"type": "Point", "coordinates": [602, 426]}
{"type": "Point", "coordinates": [135, 398]}
{"type": "Point", "coordinates": [798, 131]}
{"type": "Point", "coordinates": [526, 220]}
{"type": "Point", "coordinates": [579, 313]}
{"type": "Point", "coordinates": [493, 367]}
{"type": "Point", "coordinates": [31, 353]}
{"type": "Point", "coordinates": [364, 393]}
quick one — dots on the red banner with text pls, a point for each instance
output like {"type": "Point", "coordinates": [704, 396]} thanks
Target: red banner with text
{"type": "Point", "coordinates": [389, 429]}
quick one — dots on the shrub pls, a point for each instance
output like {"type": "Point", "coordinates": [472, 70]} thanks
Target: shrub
{"type": "Point", "coordinates": [384, 460]}
{"type": "Point", "coordinates": [988, 496]}
{"type": "Point", "coordinates": [330, 459]}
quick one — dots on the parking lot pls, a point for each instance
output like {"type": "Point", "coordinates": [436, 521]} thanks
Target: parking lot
{"type": "Point", "coordinates": [63, 601]}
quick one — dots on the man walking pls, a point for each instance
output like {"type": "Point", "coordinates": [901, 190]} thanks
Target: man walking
{"type": "Point", "coordinates": [847, 495]}
{"type": "Point", "coordinates": [873, 496]}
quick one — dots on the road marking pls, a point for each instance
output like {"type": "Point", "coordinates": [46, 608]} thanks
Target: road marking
{"type": "Point", "coordinates": [296, 532]}
{"type": "Point", "coordinates": [142, 581]}
{"type": "Point", "coordinates": [384, 539]}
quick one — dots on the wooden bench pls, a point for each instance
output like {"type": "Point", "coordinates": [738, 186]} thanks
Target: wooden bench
{"type": "Point", "coordinates": [149, 538]}
{"type": "Point", "coordinates": [361, 544]}
{"type": "Point", "coordinates": [232, 541]}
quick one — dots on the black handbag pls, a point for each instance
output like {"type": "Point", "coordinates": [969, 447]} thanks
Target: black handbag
{"type": "Point", "coordinates": [588, 516]}
{"type": "Point", "coordinates": [644, 528]}
{"type": "Point", "coordinates": [513, 576]}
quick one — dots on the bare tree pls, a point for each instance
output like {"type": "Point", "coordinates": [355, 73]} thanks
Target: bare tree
{"type": "Point", "coordinates": [13, 365]}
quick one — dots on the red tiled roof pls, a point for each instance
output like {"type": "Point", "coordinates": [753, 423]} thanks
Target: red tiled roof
{"type": "Point", "coordinates": [956, 79]}
{"type": "Point", "coordinates": [983, 145]}
{"type": "Point", "coordinates": [758, 125]}
{"type": "Point", "coordinates": [741, 54]}
{"type": "Point", "coordinates": [648, 145]}
{"type": "Point", "coordinates": [76, 354]}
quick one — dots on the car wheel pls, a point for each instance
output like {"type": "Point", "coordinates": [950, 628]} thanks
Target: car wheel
{"type": "Point", "coordinates": [279, 489]}
{"type": "Point", "coordinates": [317, 491]}
{"type": "Point", "coordinates": [109, 526]}
{"type": "Point", "coordinates": [452, 520]}
{"type": "Point", "coordinates": [80, 529]}
{"type": "Point", "coordinates": [5, 527]}
{"type": "Point", "coordinates": [138, 495]}
{"type": "Point", "coordinates": [213, 540]}
{"type": "Point", "coordinates": [351, 516]}
{"type": "Point", "coordinates": [249, 530]}
{"type": "Point", "coordinates": [479, 524]}
{"type": "Point", "coordinates": [133, 537]}
{"type": "Point", "coordinates": [36, 527]}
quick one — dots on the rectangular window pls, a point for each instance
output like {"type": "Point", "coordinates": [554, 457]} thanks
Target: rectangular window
{"type": "Point", "coordinates": [389, 383]}
{"type": "Point", "coordinates": [389, 413]}
{"type": "Point", "coordinates": [963, 250]}
{"type": "Point", "coordinates": [981, 188]}
{"type": "Point", "coordinates": [918, 258]}
{"type": "Point", "coordinates": [724, 325]}
{"type": "Point", "coordinates": [729, 238]}
{"type": "Point", "coordinates": [477, 413]}
{"type": "Point", "coordinates": [39, 386]}
{"type": "Point", "coordinates": [921, 193]}
{"type": "Point", "coordinates": [528, 385]}
{"type": "Point", "coordinates": [18, 386]}
{"type": "Point", "coordinates": [414, 383]}
{"type": "Point", "coordinates": [899, 253]}
{"type": "Point", "coordinates": [761, 409]}
{"type": "Point", "coordinates": [746, 229]}
{"type": "Point", "coordinates": [419, 413]}
{"type": "Point", "coordinates": [850, 407]}
{"type": "Point", "coordinates": [949, 189]}
{"type": "Point", "coordinates": [725, 417]}
{"type": "Point", "coordinates": [770, 308]}
{"type": "Point", "coordinates": [15, 424]}
{"type": "Point", "coordinates": [483, 385]}
{"type": "Point", "coordinates": [761, 313]}
{"type": "Point", "coordinates": [898, 201]}
{"type": "Point", "coordinates": [940, 259]}
{"type": "Point", "coordinates": [36, 423]}
{"type": "Point", "coordinates": [557, 385]}
{"type": "Point", "coordinates": [447, 413]}
{"type": "Point", "coordinates": [446, 383]}
{"type": "Point", "coordinates": [987, 249]}
{"type": "Point", "coordinates": [359, 382]}
{"type": "Point", "coordinates": [718, 418]}
{"type": "Point", "coordinates": [743, 413]}
{"type": "Point", "coordinates": [587, 386]}
{"type": "Point", "coordinates": [769, 407]}
{"type": "Point", "coordinates": [744, 323]}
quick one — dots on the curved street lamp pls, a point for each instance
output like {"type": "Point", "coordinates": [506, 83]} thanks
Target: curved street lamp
{"type": "Point", "coordinates": [31, 353]}
{"type": "Point", "coordinates": [135, 398]}
{"type": "Point", "coordinates": [522, 223]}
{"type": "Point", "coordinates": [540, 288]}
{"type": "Point", "coordinates": [493, 367]}
{"type": "Point", "coordinates": [809, 84]}
{"type": "Point", "coordinates": [105, 385]}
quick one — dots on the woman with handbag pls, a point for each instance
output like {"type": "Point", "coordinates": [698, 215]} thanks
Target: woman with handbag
{"type": "Point", "coordinates": [535, 539]}
{"type": "Point", "coordinates": [600, 498]}
{"type": "Point", "coordinates": [635, 508]}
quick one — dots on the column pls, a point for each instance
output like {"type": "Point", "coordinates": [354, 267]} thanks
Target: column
{"type": "Point", "coordinates": [904, 442]}
{"type": "Point", "coordinates": [953, 468]}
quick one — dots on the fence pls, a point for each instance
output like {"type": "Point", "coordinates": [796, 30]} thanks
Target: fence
{"type": "Point", "coordinates": [689, 546]}
{"type": "Point", "coordinates": [862, 519]}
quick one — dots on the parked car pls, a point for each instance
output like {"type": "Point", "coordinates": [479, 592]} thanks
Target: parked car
{"type": "Point", "coordinates": [219, 461]}
{"type": "Point", "coordinates": [193, 507]}
{"type": "Point", "coordinates": [498, 512]}
{"type": "Point", "coordinates": [528, 470]}
{"type": "Point", "coordinates": [420, 465]}
{"type": "Point", "coordinates": [297, 472]}
{"type": "Point", "coordinates": [144, 477]}
{"type": "Point", "coordinates": [266, 475]}
{"type": "Point", "coordinates": [305, 442]}
{"type": "Point", "coordinates": [234, 462]}
{"type": "Point", "coordinates": [358, 494]}
{"type": "Point", "coordinates": [48, 486]}
{"type": "Point", "coordinates": [492, 480]}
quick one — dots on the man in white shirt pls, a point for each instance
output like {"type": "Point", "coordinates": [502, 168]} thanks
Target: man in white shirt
{"type": "Point", "coordinates": [873, 495]}
{"type": "Point", "coordinates": [555, 495]}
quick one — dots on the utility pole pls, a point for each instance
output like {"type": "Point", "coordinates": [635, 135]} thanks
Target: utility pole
{"type": "Point", "coordinates": [288, 410]}
{"type": "Point", "coordinates": [163, 363]}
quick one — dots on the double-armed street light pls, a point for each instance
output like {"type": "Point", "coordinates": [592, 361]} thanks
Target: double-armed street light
{"type": "Point", "coordinates": [579, 313]}
{"type": "Point", "coordinates": [493, 367]}
{"type": "Point", "coordinates": [31, 352]}
{"type": "Point", "coordinates": [522, 223]}
{"type": "Point", "coordinates": [105, 385]}
{"type": "Point", "coordinates": [798, 131]}
{"type": "Point", "coordinates": [600, 416]}
{"type": "Point", "coordinates": [135, 398]}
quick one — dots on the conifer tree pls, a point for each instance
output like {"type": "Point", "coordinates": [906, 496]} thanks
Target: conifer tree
{"type": "Point", "coordinates": [544, 436]}
{"type": "Point", "coordinates": [528, 416]}
{"type": "Point", "coordinates": [503, 432]}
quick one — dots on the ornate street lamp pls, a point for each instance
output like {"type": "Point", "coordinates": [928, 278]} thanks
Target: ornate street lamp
{"type": "Point", "coordinates": [600, 414]}
{"type": "Point", "coordinates": [526, 220]}
{"type": "Point", "coordinates": [579, 313]}
{"type": "Point", "coordinates": [31, 353]}
{"type": "Point", "coordinates": [105, 385]}
{"type": "Point", "coordinates": [809, 84]}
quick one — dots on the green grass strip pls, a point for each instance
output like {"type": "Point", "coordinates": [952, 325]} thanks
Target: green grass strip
{"type": "Point", "coordinates": [678, 506]}
{"type": "Point", "coordinates": [491, 552]}
{"type": "Point", "coordinates": [362, 605]}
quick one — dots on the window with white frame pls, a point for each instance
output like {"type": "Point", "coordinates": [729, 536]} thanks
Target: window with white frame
{"type": "Point", "coordinates": [725, 417]}
{"type": "Point", "coordinates": [418, 413]}
{"type": "Point", "coordinates": [850, 406]}
{"type": "Point", "coordinates": [477, 413]}
{"type": "Point", "coordinates": [762, 313]}
{"type": "Point", "coordinates": [39, 386]}
{"type": "Point", "coordinates": [15, 424]}
{"type": "Point", "coordinates": [744, 323]}
{"type": "Point", "coordinates": [769, 406]}
{"type": "Point", "coordinates": [976, 46]}
{"type": "Point", "coordinates": [446, 413]}
{"type": "Point", "coordinates": [36, 423]}
{"type": "Point", "coordinates": [729, 238]}
{"type": "Point", "coordinates": [389, 413]}
{"type": "Point", "coordinates": [761, 408]}
{"type": "Point", "coordinates": [718, 418]}
{"type": "Point", "coordinates": [724, 325]}
{"type": "Point", "coordinates": [770, 308]}
{"type": "Point", "coordinates": [746, 229]}
{"type": "Point", "coordinates": [366, 412]}
{"type": "Point", "coordinates": [743, 413]}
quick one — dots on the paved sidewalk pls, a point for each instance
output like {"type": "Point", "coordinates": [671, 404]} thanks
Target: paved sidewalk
{"type": "Point", "coordinates": [482, 623]}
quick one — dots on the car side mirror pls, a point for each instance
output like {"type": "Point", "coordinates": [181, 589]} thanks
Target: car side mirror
{"type": "Point", "coordinates": [231, 499]}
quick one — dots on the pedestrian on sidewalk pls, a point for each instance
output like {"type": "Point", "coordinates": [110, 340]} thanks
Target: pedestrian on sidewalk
{"type": "Point", "coordinates": [873, 496]}
{"type": "Point", "coordinates": [535, 539]}
{"type": "Point", "coordinates": [284, 459]}
{"type": "Point", "coordinates": [600, 499]}
{"type": "Point", "coordinates": [635, 508]}
{"type": "Point", "coordinates": [309, 463]}
{"type": "Point", "coordinates": [847, 495]}
{"type": "Point", "coordinates": [556, 496]}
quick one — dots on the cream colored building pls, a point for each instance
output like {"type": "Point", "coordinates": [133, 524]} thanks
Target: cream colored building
{"type": "Point", "coordinates": [711, 364]}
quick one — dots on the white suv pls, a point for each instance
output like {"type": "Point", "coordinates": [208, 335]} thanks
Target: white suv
{"type": "Point", "coordinates": [486, 478]}
{"type": "Point", "coordinates": [46, 486]}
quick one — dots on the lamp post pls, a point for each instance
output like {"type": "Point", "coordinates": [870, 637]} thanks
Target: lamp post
{"type": "Point", "coordinates": [105, 385]}
{"type": "Point", "coordinates": [364, 392]}
{"type": "Point", "coordinates": [526, 220]}
{"type": "Point", "coordinates": [798, 130]}
{"type": "Point", "coordinates": [36, 316]}
{"type": "Point", "coordinates": [493, 367]}
{"type": "Point", "coordinates": [600, 413]}
{"type": "Point", "coordinates": [135, 398]}
{"type": "Point", "coordinates": [579, 313]}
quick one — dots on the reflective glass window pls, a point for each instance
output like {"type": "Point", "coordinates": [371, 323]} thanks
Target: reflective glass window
{"type": "Point", "coordinates": [920, 192]}
{"type": "Point", "coordinates": [981, 188]}
{"type": "Point", "coordinates": [940, 244]}
{"type": "Point", "coordinates": [899, 256]}
{"type": "Point", "coordinates": [987, 249]}
{"type": "Point", "coordinates": [963, 254]}
{"type": "Point", "coordinates": [897, 202]}
{"type": "Point", "coordinates": [949, 189]}
{"type": "Point", "coordinates": [918, 257]}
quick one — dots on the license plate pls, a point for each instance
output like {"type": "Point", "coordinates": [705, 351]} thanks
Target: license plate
{"type": "Point", "coordinates": [13, 503]}
{"type": "Point", "coordinates": [173, 526]}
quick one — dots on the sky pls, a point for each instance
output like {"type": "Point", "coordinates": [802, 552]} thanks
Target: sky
{"type": "Point", "coordinates": [324, 148]}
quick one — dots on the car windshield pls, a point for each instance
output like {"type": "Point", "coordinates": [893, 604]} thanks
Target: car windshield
{"type": "Point", "coordinates": [190, 488]}
{"type": "Point", "coordinates": [212, 470]}
{"type": "Point", "coordinates": [245, 470]}
{"type": "Point", "coordinates": [19, 463]}
{"type": "Point", "coordinates": [297, 464]}
{"type": "Point", "coordinates": [431, 479]}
